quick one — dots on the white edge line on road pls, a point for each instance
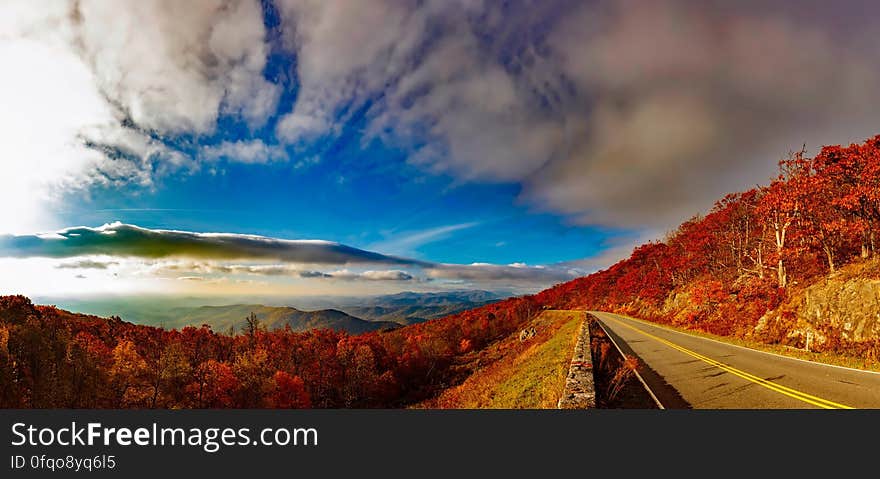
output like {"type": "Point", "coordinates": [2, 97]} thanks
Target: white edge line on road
{"type": "Point", "coordinates": [647, 388]}
{"type": "Point", "coordinates": [659, 326]}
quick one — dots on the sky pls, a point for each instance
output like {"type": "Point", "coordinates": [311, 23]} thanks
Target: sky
{"type": "Point", "coordinates": [297, 147]}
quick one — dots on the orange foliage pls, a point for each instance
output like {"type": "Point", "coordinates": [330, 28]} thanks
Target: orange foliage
{"type": "Point", "coordinates": [728, 267]}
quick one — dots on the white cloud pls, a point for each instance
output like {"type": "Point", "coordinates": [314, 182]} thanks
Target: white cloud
{"type": "Point", "coordinates": [87, 264]}
{"type": "Point", "coordinates": [254, 151]}
{"type": "Point", "coordinates": [516, 272]}
{"type": "Point", "coordinates": [41, 123]}
{"type": "Point", "coordinates": [687, 102]}
{"type": "Point", "coordinates": [83, 81]}
{"type": "Point", "coordinates": [612, 251]}
{"type": "Point", "coordinates": [345, 51]}
{"type": "Point", "coordinates": [41, 276]}
{"type": "Point", "coordinates": [618, 113]}
{"type": "Point", "coordinates": [174, 66]}
{"type": "Point", "coordinates": [611, 112]}
{"type": "Point", "coordinates": [372, 275]}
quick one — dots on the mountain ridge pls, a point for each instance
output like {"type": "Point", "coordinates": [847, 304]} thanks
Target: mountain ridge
{"type": "Point", "coordinates": [407, 307]}
{"type": "Point", "coordinates": [224, 317]}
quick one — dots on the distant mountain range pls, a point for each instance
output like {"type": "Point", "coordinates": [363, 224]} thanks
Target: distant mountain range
{"type": "Point", "coordinates": [409, 307]}
{"type": "Point", "coordinates": [351, 314]}
{"type": "Point", "coordinates": [222, 318]}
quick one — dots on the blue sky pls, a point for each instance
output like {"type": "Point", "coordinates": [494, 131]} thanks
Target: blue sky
{"type": "Point", "coordinates": [350, 189]}
{"type": "Point", "coordinates": [365, 197]}
{"type": "Point", "coordinates": [443, 144]}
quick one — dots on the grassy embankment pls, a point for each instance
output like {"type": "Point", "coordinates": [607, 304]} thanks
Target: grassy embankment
{"type": "Point", "coordinates": [514, 374]}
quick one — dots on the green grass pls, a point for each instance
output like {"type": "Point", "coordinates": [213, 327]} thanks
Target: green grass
{"type": "Point", "coordinates": [527, 375]}
{"type": "Point", "coordinates": [539, 379]}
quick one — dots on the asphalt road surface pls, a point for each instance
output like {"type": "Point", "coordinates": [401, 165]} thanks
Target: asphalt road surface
{"type": "Point", "coordinates": [687, 371]}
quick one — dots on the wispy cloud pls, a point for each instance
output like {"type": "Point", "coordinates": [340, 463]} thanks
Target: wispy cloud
{"type": "Point", "coordinates": [614, 250]}
{"type": "Point", "coordinates": [409, 242]}
{"type": "Point", "coordinates": [87, 264]}
{"type": "Point", "coordinates": [386, 275]}
{"type": "Point", "coordinates": [254, 151]}
{"type": "Point", "coordinates": [215, 268]}
{"type": "Point", "coordinates": [482, 272]}
{"type": "Point", "coordinates": [620, 113]}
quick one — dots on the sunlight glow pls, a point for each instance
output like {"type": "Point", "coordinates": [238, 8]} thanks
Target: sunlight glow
{"type": "Point", "coordinates": [41, 120]}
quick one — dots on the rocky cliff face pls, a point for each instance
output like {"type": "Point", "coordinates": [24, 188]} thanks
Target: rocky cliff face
{"type": "Point", "coordinates": [851, 306]}
{"type": "Point", "coordinates": [845, 305]}
{"type": "Point", "coordinates": [677, 306]}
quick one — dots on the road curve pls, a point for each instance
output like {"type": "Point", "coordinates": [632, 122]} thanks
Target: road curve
{"type": "Point", "coordinates": [685, 370]}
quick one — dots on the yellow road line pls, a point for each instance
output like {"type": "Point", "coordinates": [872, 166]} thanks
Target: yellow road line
{"type": "Point", "coordinates": [799, 395]}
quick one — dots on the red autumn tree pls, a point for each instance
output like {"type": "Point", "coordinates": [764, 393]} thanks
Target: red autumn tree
{"type": "Point", "coordinates": [780, 207]}
{"type": "Point", "coordinates": [289, 392]}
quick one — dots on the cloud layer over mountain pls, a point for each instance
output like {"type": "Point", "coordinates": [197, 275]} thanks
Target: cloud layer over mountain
{"type": "Point", "coordinates": [198, 256]}
{"type": "Point", "coordinates": [124, 240]}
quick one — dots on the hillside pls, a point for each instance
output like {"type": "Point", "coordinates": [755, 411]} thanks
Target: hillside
{"type": "Point", "coordinates": [410, 307]}
{"type": "Point", "coordinates": [222, 318]}
{"type": "Point", "coordinates": [52, 358]}
{"type": "Point", "coordinates": [793, 263]}
{"type": "Point", "coordinates": [520, 371]}
{"type": "Point", "coordinates": [446, 298]}
{"type": "Point", "coordinates": [168, 311]}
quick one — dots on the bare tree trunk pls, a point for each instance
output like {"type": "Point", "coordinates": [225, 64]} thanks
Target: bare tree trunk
{"type": "Point", "coordinates": [780, 274]}
{"type": "Point", "coordinates": [780, 244]}
{"type": "Point", "coordinates": [873, 245]}
{"type": "Point", "coordinates": [760, 262]}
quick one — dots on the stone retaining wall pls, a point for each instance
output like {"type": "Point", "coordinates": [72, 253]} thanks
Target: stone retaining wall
{"type": "Point", "coordinates": [580, 388]}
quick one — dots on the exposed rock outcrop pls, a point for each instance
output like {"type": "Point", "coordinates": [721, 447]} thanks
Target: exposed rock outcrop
{"type": "Point", "coordinates": [851, 306]}
{"type": "Point", "coordinates": [844, 306]}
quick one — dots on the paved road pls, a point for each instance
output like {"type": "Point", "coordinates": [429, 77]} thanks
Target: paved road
{"type": "Point", "coordinates": [690, 371]}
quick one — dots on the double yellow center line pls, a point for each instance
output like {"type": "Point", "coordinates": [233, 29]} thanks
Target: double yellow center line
{"type": "Point", "coordinates": [793, 393]}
